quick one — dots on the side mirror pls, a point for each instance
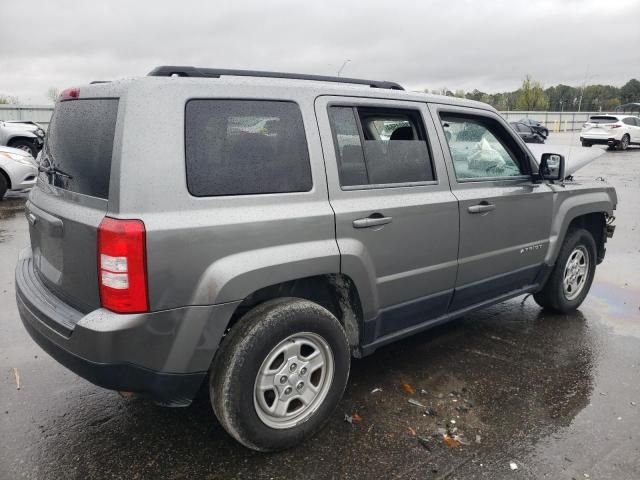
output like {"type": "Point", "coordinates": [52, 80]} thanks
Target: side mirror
{"type": "Point", "coordinates": [551, 167]}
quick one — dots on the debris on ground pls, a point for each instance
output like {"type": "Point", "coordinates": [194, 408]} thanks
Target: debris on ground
{"type": "Point", "coordinates": [451, 442]}
{"type": "Point", "coordinates": [16, 373]}
{"type": "Point", "coordinates": [633, 404]}
{"type": "Point", "coordinates": [408, 388]}
{"type": "Point", "coordinates": [416, 403]}
{"type": "Point", "coordinates": [513, 466]}
{"type": "Point", "coordinates": [424, 441]}
{"type": "Point", "coordinates": [423, 392]}
{"type": "Point", "coordinates": [431, 412]}
{"type": "Point", "coordinates": [376, 390]}
{"type": "Point", "coordinates": [355, 418]}
{"type": "Point", "coordinates": [478, 439]}
{"type": "Point", "coordinates": [412, 431]}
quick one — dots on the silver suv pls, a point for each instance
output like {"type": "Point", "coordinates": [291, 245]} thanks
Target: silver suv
{"type": "Point", "coordinates": [268, 227]}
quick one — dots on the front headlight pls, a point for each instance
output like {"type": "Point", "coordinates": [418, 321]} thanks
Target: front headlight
{"type": "Point", "coordinates": [40, 132]}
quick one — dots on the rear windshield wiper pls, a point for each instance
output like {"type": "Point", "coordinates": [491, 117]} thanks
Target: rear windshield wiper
{"type": "Point", "coordinates": [54, 171]}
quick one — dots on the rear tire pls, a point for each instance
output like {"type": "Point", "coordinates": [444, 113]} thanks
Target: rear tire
{"type": "Point", "coordinates": [624, 142]}
{"type": "Point", "coordinates": [572, 275]}
{"type": "Point", "coordinates": [279, 374]}
{"type": "Point", "coordinates": [25, 146]}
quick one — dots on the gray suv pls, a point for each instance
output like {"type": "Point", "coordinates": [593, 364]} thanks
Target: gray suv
{"type": "Point", "coordinates": [252, 231]}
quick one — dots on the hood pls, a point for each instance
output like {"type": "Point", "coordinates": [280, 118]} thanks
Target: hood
{"type": "Point", "coordinates": [575, 157]}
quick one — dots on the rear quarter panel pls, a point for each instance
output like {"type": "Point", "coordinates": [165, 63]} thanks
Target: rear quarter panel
{"type": "Point", "coordinates": [208, 250]}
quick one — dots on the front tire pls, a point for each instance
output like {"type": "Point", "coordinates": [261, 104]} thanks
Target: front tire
{"type": "Point", "coordinates": [25, 146]}
{"type": "Point", "coordinates": [279, 374]}
{"type": "Point", "coordinates": [572, 275]}
{"type": "Point", "coordinates": [3, 185]}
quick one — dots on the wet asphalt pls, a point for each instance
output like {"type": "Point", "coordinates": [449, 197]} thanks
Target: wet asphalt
{"type": "Point", "coordinates": [557, 396]}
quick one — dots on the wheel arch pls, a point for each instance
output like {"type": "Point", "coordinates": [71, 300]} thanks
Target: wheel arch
{"type": "Point", "coordinates": [6, 177]}
{"type": "Point", "coordinates": [593, 220]}
{"type": "Point", "coordinates": [336, 292]}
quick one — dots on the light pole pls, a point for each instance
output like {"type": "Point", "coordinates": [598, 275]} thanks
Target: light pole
{"type": "Point", "coordinates": [343, 65]}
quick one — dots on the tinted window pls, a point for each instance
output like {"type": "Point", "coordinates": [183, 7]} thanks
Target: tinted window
{"type": "Point", "coordinates": [236, 147]}
{"type": "Point", "coordinates": [480, 148]}
{"type": "Point", "coordinates": [629, 121]}
{"type": "Point", "coordinates": [80, 144]}
{"type": "Point", "coordinates": [380, 146]}
{"type": "Point", "coordinates": [603, 119]}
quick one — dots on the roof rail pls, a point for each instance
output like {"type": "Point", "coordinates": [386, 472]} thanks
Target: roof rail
{"type": "Point", "coordinates": [169, 71]}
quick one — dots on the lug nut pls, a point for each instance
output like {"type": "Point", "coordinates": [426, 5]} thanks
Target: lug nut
{"type": "Point", "coordinates": [303, 370]}
{"type": "Point", "coordinates": [293, 367]}
{"type": "Point", "coordinates": [300, 386]}
{"type": "Point", "coordinates": [287, 390]}
{"type": "Point", "coordinates": [283, 379]}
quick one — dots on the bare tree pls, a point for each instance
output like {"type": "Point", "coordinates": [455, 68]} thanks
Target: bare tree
{"type": "Point", "coordinates": [52, 94]}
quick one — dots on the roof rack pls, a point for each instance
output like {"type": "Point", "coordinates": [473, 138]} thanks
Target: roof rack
{"type": "Point", "coordinates": [169, 71]}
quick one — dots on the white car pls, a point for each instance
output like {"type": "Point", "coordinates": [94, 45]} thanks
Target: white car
{"type": "Point", "coordinates": [18, 170]}
{"type": "Point", "coordinates": [616, 131]}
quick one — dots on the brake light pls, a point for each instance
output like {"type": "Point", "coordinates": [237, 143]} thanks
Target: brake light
{"type": "Point", "coordinates": [614, 125]}
{"type": "Point", "coordinates": [122, 265]}
{"type": "Point", "coordinates": [69, 94]}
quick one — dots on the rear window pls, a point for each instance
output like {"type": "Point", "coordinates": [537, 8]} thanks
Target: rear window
{"type": "Point", "coordinates": [80, 144]}
{"type": "Point", "coordinates": [603, 119]}
{"type": "Point", "coordinates": [240, 147]}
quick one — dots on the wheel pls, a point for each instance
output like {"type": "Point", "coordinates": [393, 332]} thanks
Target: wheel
{"type": "Point", "coordinates": [279, 374]}
{"type": "Point", "coordinates": [26, 146]}
{"type": "Point", "coordinates": [4, 185]}
{"type": "Point", "coordinates": [624, 142]}
{"type": "Point", "coordinates": [585, 144]}
{"type": "Point", "coordinates": [571, 278]}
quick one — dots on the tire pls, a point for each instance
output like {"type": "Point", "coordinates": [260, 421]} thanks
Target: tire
{"type": "Point", "coordinates": [252, 347]}
{"type": "Point", "coordinates": [25, 145]}
{"type": "Point", "coordinates": [4, 185]}
{"type": "Point", "coordinates": [624, 142]}
{"type": "Point", "coordinates": [554, 296]}
{"type": "Point", "coordinates": [585, 144]}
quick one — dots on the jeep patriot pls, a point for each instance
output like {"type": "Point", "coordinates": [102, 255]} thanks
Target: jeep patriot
{"type": "Point", "coordinates": [252, 231]}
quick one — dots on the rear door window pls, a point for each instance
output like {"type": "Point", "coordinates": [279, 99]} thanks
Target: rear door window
{"type": "Point", "coordinates": [79, 144]}
{"type": "Point", "coordinates": [379, 146]}
{"type": "Point", "coordinates": [241, 147]}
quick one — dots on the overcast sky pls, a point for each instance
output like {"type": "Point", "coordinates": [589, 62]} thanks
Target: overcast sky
{"type": "Point", "coordinates": [484, 44]}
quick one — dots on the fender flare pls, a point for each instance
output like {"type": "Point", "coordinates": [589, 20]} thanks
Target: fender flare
{"type": "Point", "coordinates": [572, 208]}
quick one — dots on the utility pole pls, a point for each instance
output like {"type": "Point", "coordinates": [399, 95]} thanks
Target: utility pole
{"type": "Point", "coordinates": [342, 67]}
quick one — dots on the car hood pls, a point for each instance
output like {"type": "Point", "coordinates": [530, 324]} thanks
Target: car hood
{"type": "Point", "coordinates": [575, 157]}
{"type": "Point", "coordinates": [30, 127]}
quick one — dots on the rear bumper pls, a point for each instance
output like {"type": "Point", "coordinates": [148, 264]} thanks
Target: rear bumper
{"type": "Point", "coordinates": [600, 140]}
{"type": "Point", "coordinates": [163, 355]}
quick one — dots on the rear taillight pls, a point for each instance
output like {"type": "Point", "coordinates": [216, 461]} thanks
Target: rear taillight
{"type": "Point", "coordinates": [614, 125]}
{"type": "Point", "coordinates": [122, 265]}
{"type": "Point", "coordinates": [69, 94]}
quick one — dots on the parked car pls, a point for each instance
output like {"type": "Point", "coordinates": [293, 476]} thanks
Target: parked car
{"type": "Point", "coordinates": [616, 131]}
{"type": "Point", "coordinates": [536, 125]}
{"type": "Point", "coordinates": [27, 136]}
{"type": "Point", "coordinates": [18, 170]}
{"type": "Point", "coordinates": [259, 261]}
{"type": "Point", "coordinates": [527, 133]}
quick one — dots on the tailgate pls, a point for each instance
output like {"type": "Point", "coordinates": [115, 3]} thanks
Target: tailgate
{"type": "Point", "coordinates": [71, 199]}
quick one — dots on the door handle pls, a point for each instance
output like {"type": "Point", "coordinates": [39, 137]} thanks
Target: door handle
{"type": "Point", "coordinates": [374, 220]}
{"type": "Point", "coordinates": [482, 207]}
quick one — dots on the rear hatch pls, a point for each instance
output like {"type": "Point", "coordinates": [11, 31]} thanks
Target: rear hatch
{"type": "Point", "coordinates": [71, 198]}
{"type": "Point", "coordinates": [600, 125]}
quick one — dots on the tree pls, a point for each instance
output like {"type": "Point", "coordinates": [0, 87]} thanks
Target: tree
{"type": "Point", "coordinates": [8, 100]}
{"type": "Point", "coordinates": [531, 96]}
{"type": "Point", "coordinates": [52, 94]}
{"type": "Point", "coordinates": [630, 91]}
